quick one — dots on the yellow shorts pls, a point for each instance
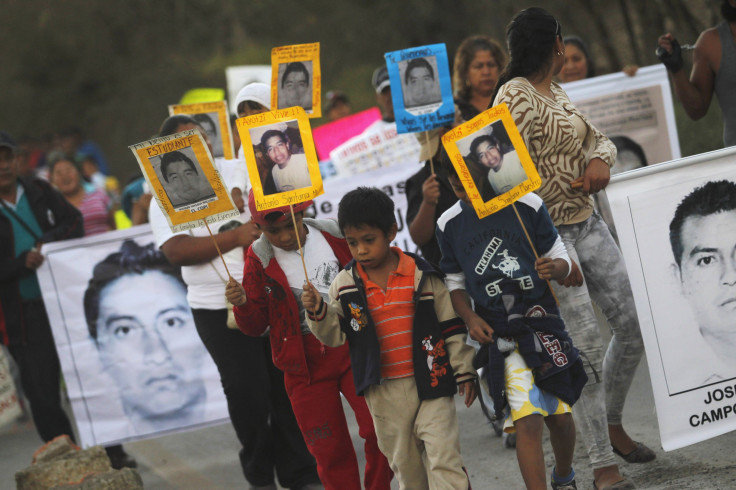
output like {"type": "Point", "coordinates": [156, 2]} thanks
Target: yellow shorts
{"type": "Point", "coordinates": [525, 397]}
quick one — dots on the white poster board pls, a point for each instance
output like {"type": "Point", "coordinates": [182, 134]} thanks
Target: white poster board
{"type": "Point", "coordinates": [630, 110]}
{"type": "Point", "coordinates": [687, 312]}
{"type": "Point", "coordinates": [165, 382]}
{"type": "Point", "coordinates": [239, 76]}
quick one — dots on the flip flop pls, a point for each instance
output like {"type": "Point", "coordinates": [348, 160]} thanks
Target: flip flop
{"type": "Point", "coordinates": [641, 454]}
{"type": "Point", "coordinates": [619, 485]}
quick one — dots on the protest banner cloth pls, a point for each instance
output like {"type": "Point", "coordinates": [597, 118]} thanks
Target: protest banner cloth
{"type": "Point", "coordinates": [421, 88]}
{"type": "Point", "coordinates": [9, 404]}
{"type": "Point", "coordinates": [214, 119]}
{"type": "Point", "coordinates": [331, 135]}
{"type": "Point", "coordinates": [281, 159]}
{"type": "Point", "coordinates": [185, 183]}
{"type": "Point", "coordinates": [676, 226]}
{"type": "Point", "coordinates": [296, 78]}
{"type": "Point", "coordinates": [238, 77]}
{"type": "Point", "coordinates": [133, 364]}
{"type": "Point", "coordinates": [377, 147]}
{"type": "Point", "coordinates": [636, 113]}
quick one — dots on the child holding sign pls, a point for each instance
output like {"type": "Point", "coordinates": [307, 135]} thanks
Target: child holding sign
{"type": "Point", "coordinates": [314, 375]}
{"type": "Point", "coordinates": [406, 344]}
{"type": "Point", "coordinates": [515, 313]}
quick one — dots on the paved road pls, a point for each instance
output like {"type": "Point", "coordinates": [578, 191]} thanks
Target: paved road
{"type": "Point", "coordinates": [208, 458]}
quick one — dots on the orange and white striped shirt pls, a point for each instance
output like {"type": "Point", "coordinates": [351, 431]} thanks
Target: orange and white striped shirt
{"type": "Point", "coordinates": [392, 312]}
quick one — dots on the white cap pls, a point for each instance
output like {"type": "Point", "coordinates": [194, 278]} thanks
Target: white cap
{"type": "Point", "coordinates": [257, 92]}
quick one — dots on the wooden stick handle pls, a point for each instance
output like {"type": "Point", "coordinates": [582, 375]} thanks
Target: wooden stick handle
{"type": "Point", "coordinates": [218, 249]}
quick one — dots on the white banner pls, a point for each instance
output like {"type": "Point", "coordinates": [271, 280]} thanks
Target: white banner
{"type": "Point", "coordinates": [676, 224]}
{"type": "Point", "coordinates": [132, 361]}
{"type": "Point", "coordinates": [391, 180]}
{"type": "Point", "coordinates": [635, 112]}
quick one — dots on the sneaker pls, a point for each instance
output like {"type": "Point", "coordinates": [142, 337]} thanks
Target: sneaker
{"type": "Point", "coordinates": [564, 486]}
{"type": "Point", "coordinates": [119, 459]}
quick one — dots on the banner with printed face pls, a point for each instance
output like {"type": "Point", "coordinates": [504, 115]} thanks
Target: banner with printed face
{"type": "Point", "coordinates": [391, 180]}
{"type": "Point", "coordinates": [282, 162]}
{"type": "Point", "coordinates": [421, 88]}
{"type": "Point", "coordinates": [214, 119]}
{"type": "Point", "coordinates": [183, 180]}
{"type": "Point", "coordinates": [491, 160]}
{"type": "Point", "coordinates": [636, 113]}
{"type": "Point", "coordinates": [132, 360]}
{"type": "Point", "coordinates": [296, 78]}
{"type": "Point", "coordinates": [676, 225]}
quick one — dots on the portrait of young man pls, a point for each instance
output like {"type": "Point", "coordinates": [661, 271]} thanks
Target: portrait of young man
{"type": "Point", "coordinates": [295, 85]}
{"type": "Point", "coordinates": [703, 240]}
{"type": "Point", "coordinates": [421, 85]}
{"type": "Point", "coordinates": [289, 170]}
{"type": "Point", "coordinates": [208, 122]}
{"type": "Point", "coordinates": [183, 180]}
{"type": "Point", "coordinates": [146, 340]}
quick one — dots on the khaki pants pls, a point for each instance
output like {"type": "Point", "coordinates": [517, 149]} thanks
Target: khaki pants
{"type": "Point", "coordinates": [419, 438]}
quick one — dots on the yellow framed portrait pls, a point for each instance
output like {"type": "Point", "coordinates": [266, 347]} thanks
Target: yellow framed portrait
{"type": "Point", "coordinates": [184, 181]}
{"type": "Point", "coordinates": [492, 161]}
{"type": "Point", "coordinates": [213, 118]}
{"type": "Point", "coordinates": [282, 162]}
{"type": "Point", "coordinates": [296, 78]}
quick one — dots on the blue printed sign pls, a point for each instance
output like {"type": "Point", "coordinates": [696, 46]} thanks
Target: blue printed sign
{"type": "Point", "coordinates": [421, 89]}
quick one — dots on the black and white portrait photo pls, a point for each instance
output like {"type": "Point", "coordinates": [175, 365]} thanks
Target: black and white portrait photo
{"type": "Point", "coordinates": [492, 160]}
{"type": "Point", "coordinates": [133, 363]}
{"type": "Point", "coordinates": [182, 178]}
{"type": "Point", "coordinates": [210, 122]}
{"type": "Point", "coordinates": [420, 83]}
{"type": "Point", "coordinates": [295, 85]}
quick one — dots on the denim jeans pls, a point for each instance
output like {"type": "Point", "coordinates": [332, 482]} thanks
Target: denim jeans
{"type": "Point", "coordinates": [606, 283]}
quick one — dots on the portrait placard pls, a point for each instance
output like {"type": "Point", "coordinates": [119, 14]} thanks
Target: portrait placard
{"type": "Point", "coordinates": [421, 88]}
{"type": "Point", "coordinates": [213, 118]}
{"type": "Point", "coordinates": [133, 364]}
{"type": "Point", "coordinates": [282, 162]}
{"type": "Point", "coordinates": [184, 181]}
{"type": "Point", "coordinates": [296, 79]}
{"type": "Point", "coordinates": [491, 160]}
{"type": "Point", "coordinates": [676, 225]}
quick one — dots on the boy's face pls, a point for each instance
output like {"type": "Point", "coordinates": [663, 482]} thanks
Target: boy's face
{"type": "Point", "coordinates": [369, 245]}
{"type": "Point", "coordinates": [282, 234]}
{"type": "Point", "coordinates": [458, 189]}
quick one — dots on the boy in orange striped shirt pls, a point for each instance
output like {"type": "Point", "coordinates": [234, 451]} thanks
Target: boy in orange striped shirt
{"type": "Point", "coordinates": [407, 345]}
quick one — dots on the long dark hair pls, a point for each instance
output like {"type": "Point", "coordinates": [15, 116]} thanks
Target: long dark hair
{"type": "Point", "coordinates": [530, 39]}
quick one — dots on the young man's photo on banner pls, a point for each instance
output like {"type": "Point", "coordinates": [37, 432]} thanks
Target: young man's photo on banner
{"type": "Point", "coordinates": [421, 88]}
{"type": "Point", "coordinates": [491, 160]}
{"type": "Point", "coordinates": [296, 79]}
{"type": "Point", "coordinates": [213, 118]}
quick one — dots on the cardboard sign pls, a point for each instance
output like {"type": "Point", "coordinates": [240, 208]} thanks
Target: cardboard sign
{"type": "Point", "coordinates": [676, 224]}
{"type": "Point", "coordinates": [421, 88]}
{"type": "Point", "coordinates": [282, 162]}
{"type": "Point", "coordinates": [184, 181]}
{"type": "Point", "coordinates": [491, 160]}
{"type": "Point", "coordinates": [296, 78]}
{"type": "Point", "coordinates": [214, 119]}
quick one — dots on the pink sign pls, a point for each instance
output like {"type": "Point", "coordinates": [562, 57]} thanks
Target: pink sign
{"type": "Point", "coordinates": [328, 136]}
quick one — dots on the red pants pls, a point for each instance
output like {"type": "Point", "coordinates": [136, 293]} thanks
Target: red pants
{"type": "Point", "coordinates": [318, 409]}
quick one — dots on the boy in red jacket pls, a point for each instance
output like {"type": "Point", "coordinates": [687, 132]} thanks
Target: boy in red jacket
{"type": "Point", "coordinates": [314, 374]}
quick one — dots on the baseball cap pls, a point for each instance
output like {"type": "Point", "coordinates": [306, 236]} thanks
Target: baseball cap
{"type": "Point", "coordinates": [257, 92]}
{"type": "Point", "coordinates": [282, 213]}
{"type": "Point", "coordinates": [380, 79]}
{"type": "Point", "coordinates": [7, 141]}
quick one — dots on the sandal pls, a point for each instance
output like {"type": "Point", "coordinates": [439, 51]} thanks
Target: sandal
{"type": "Point", "coordinates": [619, 485]}
{"type": "Point", "coordinates": [641, 454]}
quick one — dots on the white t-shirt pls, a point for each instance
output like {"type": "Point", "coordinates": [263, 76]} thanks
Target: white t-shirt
{"type": "Point", "coordinates": [322, 267]}
{"type": "Point", "coordinates": [294, 176]}
{"type": "Point", "coordinates": [206, 282]}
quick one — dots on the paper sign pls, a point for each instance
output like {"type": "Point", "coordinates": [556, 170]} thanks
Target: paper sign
{"type": "Point", "coordinates": [676, 224]}
{"type": "Point", "coordinates": [491, 160]}
{"type": "Point", "coordinates": [214, 119]}
{"type": "Point", "coordinates": [296, 79]}
{"type": "Point", "coordinates": [184, 181]}
{"type": "Point", "coordinates": [331, 135]}
{"type": "Point", "coordinates": [282, 163]}
{"type": "Point", "coordinates": [421, 88]}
